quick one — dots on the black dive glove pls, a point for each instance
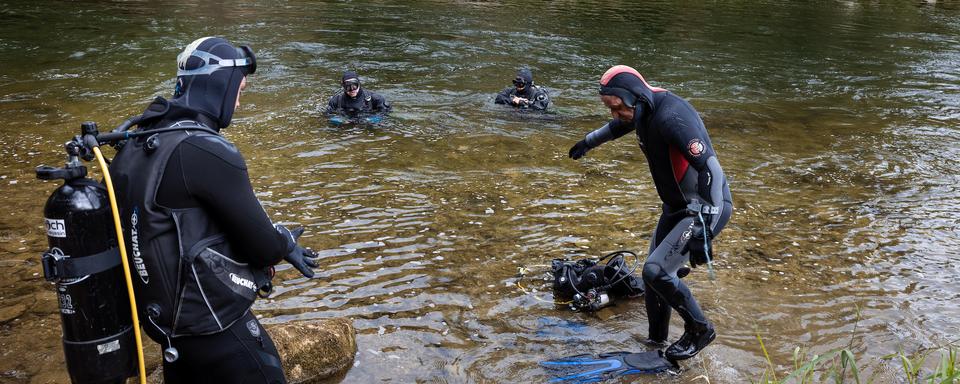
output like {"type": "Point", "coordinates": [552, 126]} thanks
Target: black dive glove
{"type": "Point", "coordinates": [699, 245]}
{"type": "Point", "coordinates": [301, 258]}
{"type": "Point", "coordinates": [579, 149]}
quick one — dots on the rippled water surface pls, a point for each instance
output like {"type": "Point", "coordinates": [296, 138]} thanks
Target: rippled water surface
{"type": "Point", "coordinates": [837, 124]}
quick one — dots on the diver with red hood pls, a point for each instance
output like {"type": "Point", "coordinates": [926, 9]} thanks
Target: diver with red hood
{"type": "Point", "coordinates": [202, 246]}
{"type": "Point", "coordinates": [696, 198]}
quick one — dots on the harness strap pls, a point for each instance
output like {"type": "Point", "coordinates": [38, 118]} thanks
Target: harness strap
{"type": "Point", "coordinates": [56, 267]}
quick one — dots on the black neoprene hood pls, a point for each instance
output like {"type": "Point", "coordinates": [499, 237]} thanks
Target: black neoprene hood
{"type": "Point", "coordinates": [213, 94]}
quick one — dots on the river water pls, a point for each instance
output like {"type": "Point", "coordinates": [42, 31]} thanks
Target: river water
{"type": "Point", "coordinates": [835, 122]}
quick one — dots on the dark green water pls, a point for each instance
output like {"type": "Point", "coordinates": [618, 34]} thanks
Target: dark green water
{"type": "Point", "coordinates": [836, 122]}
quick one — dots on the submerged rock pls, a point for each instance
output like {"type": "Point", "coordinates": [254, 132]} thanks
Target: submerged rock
{"type": "Point", "coordinates": [11, 312]}
{"type": "Point", "coordinates": [316, 349]}
{"type": "Point", "coordinates": [310, 350]}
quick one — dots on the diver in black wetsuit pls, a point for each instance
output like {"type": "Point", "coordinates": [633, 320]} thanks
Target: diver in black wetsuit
{"type": "Point", "coordinates": [186, 200]}
{"type": "Point", "coordinates": [524, 94]}
{"type": "Point", "coordinates": [353, 100]}
{"type": "Point", "coordinates": [696, 198]}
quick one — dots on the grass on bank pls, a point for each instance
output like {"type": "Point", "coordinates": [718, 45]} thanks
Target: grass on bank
{"type": "Point", "coordinates": [840, 366]}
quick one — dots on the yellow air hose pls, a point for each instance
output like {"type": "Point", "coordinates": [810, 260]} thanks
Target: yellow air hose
{"type": "Point", "coordinates": [123, 261]}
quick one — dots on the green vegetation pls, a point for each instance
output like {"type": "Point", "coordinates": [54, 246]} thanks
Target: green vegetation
{"type": "Point", "coordinates": [840, 366]}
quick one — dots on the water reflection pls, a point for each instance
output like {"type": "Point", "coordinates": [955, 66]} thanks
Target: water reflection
{"type": "Point", "coordinates": [836, 126]}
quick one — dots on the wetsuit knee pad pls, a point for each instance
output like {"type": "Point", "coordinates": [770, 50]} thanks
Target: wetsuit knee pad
{"type": "Point", "coordinates": [653, 274]}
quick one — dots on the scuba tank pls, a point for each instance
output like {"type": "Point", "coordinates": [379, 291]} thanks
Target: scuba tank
{"type": "Point", "coordinates": [84, 263]}
{"type": "Point", "coordinates": [589, 285]}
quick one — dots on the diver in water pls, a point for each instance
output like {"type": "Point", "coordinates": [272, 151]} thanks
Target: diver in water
{"type": "Point", "coordinates": [524, 94]}
{"type": "Point", "coordinates": [696, 198]}
{"type": "Point", "coordinates": [354, 101]}
{"type": "Point", "coordinates": [202, 245]}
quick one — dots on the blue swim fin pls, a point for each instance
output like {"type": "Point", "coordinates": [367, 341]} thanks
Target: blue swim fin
{"type": "Point", "coordinates": [592, 369]}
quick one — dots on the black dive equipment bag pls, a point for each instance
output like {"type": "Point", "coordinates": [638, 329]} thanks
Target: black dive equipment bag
{"type": "Point", "coordinates": [590, 284]}
{"type": "Point", "coordinates": [84, 263]}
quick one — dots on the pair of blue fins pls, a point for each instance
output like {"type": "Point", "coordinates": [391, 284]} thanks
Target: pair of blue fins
{"type": "Point", "coordinates": [596, 368]}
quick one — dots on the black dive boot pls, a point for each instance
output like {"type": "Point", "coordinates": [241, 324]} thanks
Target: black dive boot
{"type": "Point", "coordinates": [695, 337]}
{"type": "Point", "coordinates": [697, 331]}
{"type": "Point", "coordinates": [674, 294]}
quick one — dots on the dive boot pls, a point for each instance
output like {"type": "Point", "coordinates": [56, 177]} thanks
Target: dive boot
{"type": "Point", "coordinates": [691, 343]}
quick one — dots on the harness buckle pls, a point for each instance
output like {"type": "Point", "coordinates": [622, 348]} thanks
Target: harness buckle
{"type": "Point", "coordinates": [51, 265]}
{"type": "Point", "coordinates": [695, 207]}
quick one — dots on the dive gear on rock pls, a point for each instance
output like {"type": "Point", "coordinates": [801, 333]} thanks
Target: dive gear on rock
{"type": "Point", "coordinates": [590, 284]}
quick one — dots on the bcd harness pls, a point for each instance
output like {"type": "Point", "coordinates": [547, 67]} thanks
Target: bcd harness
{"type": "Point", "coordinates": [191, 281]}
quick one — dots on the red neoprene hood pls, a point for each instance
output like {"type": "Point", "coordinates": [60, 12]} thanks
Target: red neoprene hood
{"type": "Point", "coordinates": [627, 84]}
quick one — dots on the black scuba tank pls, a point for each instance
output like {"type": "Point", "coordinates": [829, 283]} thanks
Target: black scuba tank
{"type": "Point", "coordinates": [84, 263]}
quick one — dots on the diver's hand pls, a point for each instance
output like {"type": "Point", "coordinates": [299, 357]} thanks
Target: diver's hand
{"type": "Point", "coordinates": [301, 258]}
{"type": "Point", "coordinates": [519, 101]}
{"type": "Point", "coordinates": [579, 149]}
{"type": "Point", "coordinates": [699, 245]}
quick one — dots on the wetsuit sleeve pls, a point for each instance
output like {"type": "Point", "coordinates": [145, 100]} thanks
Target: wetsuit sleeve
{"type": "Point", "coordinates": [609, 131]}
{"type": "Point", "coordinates": [504, 96]}
{"type": "Point", "coordinates": [333, 106]}
{"type": "Point", "coordinates": [380, 104]}
{"type": "Point", "coordinates": [686, 133]}
{"type": "Point", "coordinates": [713, 185]}
{"type": "Point", "coordinates": [215, 176]}
{"type": "Point", "coordinates": [540, 100]}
